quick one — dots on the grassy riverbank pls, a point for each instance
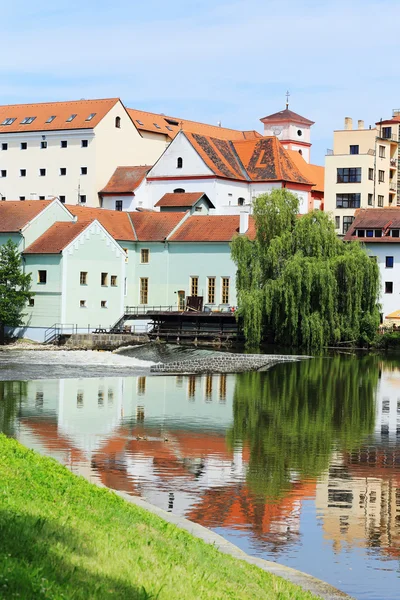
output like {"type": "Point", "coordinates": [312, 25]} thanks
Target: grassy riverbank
{"type": "Point", "coordinates": [64, 538]}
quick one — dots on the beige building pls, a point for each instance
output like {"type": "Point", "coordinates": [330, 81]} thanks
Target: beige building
{"type": "Point", "coordinates": [361, 170]}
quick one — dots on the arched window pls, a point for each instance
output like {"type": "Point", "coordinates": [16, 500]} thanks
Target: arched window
{"type": "Point", "coordinates": [179, 163]}
{"type": "Point", "coordinates": [301, 152]}
{"type": "Point", "coordinates": [240, 201]}
{"type": "Point", "coordinates": [179, 191]}
{"type": "Point", "coordinates": [118, 122]}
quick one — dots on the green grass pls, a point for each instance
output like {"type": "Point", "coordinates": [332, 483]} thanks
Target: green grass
{"type": "Point", "coordinates": [63, 538]}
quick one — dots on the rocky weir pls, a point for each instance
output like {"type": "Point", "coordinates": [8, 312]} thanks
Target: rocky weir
{"type": "Point", "coordinates": [224, 363]}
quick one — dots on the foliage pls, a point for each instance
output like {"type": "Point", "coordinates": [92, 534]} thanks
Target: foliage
{"type": "Point", "coordinates": [14, 286]}
{"type": "Point", "coordinates": [298, 284]}
{"type": "Point", "coordinates": [12, 393]}
{"type": "Point", "coordinates": [64, 538]}
{"type": "Point", "coordinates": [293, 416]}
{"type": "Point", "coordinates": [390, 339]}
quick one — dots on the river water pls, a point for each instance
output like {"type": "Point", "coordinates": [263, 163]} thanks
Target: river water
{"type": "Point", "coordinates": [299, 464]}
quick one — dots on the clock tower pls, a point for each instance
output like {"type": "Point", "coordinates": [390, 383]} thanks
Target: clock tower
{"type": "Point", "coordinates": [291, 129]}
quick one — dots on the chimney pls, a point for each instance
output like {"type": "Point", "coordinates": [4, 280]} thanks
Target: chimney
{"type": "Point", "coordinates": [348, 123]}
{"type": "Point", "coordinates": [360, 124]}
{"type": "Point", "coordinates": [244, 222]}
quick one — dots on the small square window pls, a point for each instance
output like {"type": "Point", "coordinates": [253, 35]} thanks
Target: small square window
{"type": "Point", "coordinates": [118, 205]}
{"type": "Point", "coordinates": [361, 233]}
{"type": "Point", "coordinates": [22, 172]}
{"type": "Point", "coordinates": [42, 172]}
{"type": "Point", "coordinates": [104, 279]}
{"type": "Point", "coordinates": [31, 302]}
{"type": "Point", "coordinates": [43, 145]}
{"type": "Point", "coordinates": [83, 170]}
{"type": "Point", "coordinates": [42, 276]}
{"type": "Point", "coordinates": [83, 278]}
{"type": "Point", "coordinates": [395, 233]}
{"type": "Point", "coordinates": [113, 280]}
{"type": "Point", "coordinates": [84, 143]}
{"type": "Point", "coordinates": [90, 117]}
{"type": "Point", "coordinates": [64, 144]}
{"type": "Point", "coordinates": [103, 303]}
{"type": "Point", "coordinates": [370, 233]}
{"type": "Point", "coordinates": [70, 118]}
{"type": "Point", "coordinates": [24, 145]}
{"type": "Point", "coordinates": [388, 287]}
{"type": "Point", "coordinates": [63, 170]}
{"type": "Point", "coordinates": [354, 149]}
{"type": "Point", "coordinates": [22, 198]}
{"type": "Point", "coordinates": [42, 197]}
{"type": "Point", "coordinates": [144, 256]}
{"type": "Point", "coordinates": [82, 199]}
{"type": "Point", "coordinates": [51, 119]}
{"type": "Point", "coordinates": [82, 303]}
{"type": "Point", "coordinates": [62, 199]}
{"type": "Point", "coordinates": [389, 262]}
{"type": "Point", "coordinates": [3, 173]}
{"type": "Point", "coordinates": [4, 146]}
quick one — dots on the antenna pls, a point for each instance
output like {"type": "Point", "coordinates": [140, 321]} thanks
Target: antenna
{"type": "Point", "coordinates": [287, 99]}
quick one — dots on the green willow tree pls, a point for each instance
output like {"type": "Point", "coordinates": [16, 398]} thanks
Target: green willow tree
{"type": "Point", "coordinates": [298, 284]}
{"type": "Point", "coordinates": [14, 287]}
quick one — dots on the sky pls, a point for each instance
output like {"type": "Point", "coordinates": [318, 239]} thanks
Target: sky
{"type": "Point", "coordinates": [214, 60]}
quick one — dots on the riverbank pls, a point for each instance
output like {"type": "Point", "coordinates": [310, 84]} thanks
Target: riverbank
{"type": "Point", "coordinates": [63, 537]}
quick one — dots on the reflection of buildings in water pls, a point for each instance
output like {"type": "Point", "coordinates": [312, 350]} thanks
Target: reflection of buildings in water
{"type": "Point", "coordinates": [387, 422]}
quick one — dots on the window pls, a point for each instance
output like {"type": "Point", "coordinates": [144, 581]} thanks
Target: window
{"type": "Point", "coordinates": [84, 143]}
{"type": "Point", "coordinates": [64, 144]}
{"type": "Point", "coordinates": [388, 287]}
{"type": "Point", "coordinates": [51, 119]}
{"type": "Point", "coordinates": [382, 151]}
{"type": "Point", "coordinates": [3, 173]}
{"type": "Point", "coordinates": [378, 233]}
{"type": "Point", "coordinates": [8, 121]}
{"type": "Point", "coordinates": [82, 198]}
{"type": "Point", "coordinates": [191, 387]}
{"type": "Point", "coordinates": [222, 387]}
{"type": "Point", "coordinates": [104, 279]}
{"type": "Point", "coordinates": [24, 145]}
{"type": "Point", "coordinates": [82, 303]}
{"type": "Point", "coordinates": [157, 125]}
{"type": "Point", "coordinates": [337, 222]}
{"type": "Point", "coordinates": [351, 175]}
{"type": "Point", "coordinates": [348, 200]}
{"type": "Point", "coordinates": [370, 233]}
{"type": "Point", "coordinates": [380, 201]}
{"type": "Point", "coordinates": [43, 145]}
{"type": "Point", "coordinates": [179, 191]}
{"type": "Point", "coordinates": [144, 290]}
{"type": "Point", "coordinates": [141, 389]}
{"type": "Point", "coordinates": [4, 146]}
{"type": "Point", "coordinates": [240, 201]}
{"type": "Point", "coordinates": [386, 132]}
{"type": "Point", "coordinates": [31, 302]}
{"type": "Point", "coordinates": [22, 172]}
{"type": "Point", "coordinates": [179, 163]}
{"type": "Point", "coordinates": [361, 233]}
{"type": "Point", "coordinates": [103, 303]}
{"type": "Point", "coordinates": [62, 199]}
{"type": "Point", "coordinates": [90, 117]}
{"type": "Point", "coordinates": [208, 386]}
{"type": "Point", "coordinates": [395, 233]}
{"type": "Point", "coordinates": [225, 290]}
{"type": "Point", "coordinates": [370, 196]}
{"type": "Point", "coordinates": [347, 222]}
{"type": "Point", "coordinates": [22, 197]}
{"type": "Point", "coordinates": [27, 120]}
{"type": "Point", "coordinates": [194, 286]}
{"type": "Point", "coordinates": [118, 205]}
{"type": "Point", "coordinates": [371, 174]}
{"type": "Point", "coordinates": [211, 290]}
{"type": "Point", "coordinates": [354, 149]}
{"type": "Point", "coordinates": [83, 278]}
{"type": "Point", "coordinates": [42, 172]}
{"type": "Point", "coordinates": [144, 256]}
{"type": "Point", "coordinates": [381, 176]}
{"type": "Point", "coordinates": [70, 118]}
{"type": "Point", "coordinates": [42, 276]}
{"type": "Point", "coordinates": [113, 281]}
{"type": "Point", "coordinates": [139, 121]}
{"type": "Point", "coordinates": [42, 197]}
{"type": "Point", "coordinates": [389, 262]}
{"type": "Point", "coordinates": [63, 171]}
{"type": "Point", "coordinates": [301, 152]}
{"type": "Point", "coordinates": [118, 122]}
{"type": "Point", "coordinates": [83, 170]}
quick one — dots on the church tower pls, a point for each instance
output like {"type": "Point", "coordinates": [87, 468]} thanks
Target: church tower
{"type": "Point", "coordinates": [291, 129]}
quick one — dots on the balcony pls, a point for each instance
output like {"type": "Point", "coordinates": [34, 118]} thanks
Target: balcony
{"type": "Point", "coordinates": [393, 163]}
{"type": "Point", "coordinates": [389, 136]}
{"type": "Point", "coordinates": [392, 185]}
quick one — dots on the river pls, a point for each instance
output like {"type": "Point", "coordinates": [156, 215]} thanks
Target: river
{"type": "Point", "coordinates": [299, 464]}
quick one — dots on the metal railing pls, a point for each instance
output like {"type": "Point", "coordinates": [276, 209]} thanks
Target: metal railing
{"type": "Point", "coordinates": [391, 137]}
{"type": "Point", "coordinates": [53, 333]}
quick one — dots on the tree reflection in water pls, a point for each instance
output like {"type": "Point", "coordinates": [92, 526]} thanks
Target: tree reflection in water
{"type": "Point", "coordinates": [12, 393]}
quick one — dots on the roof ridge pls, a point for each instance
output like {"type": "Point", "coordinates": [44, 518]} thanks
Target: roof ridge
{"type": "Point", "coordinates": [58, 102]}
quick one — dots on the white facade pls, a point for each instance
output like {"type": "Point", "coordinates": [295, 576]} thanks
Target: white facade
{"type": "Point", "coordinates": [390, 301]}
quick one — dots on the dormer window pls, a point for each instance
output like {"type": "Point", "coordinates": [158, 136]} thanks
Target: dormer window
{"type": "Point", "coordinates": [8, 121]}
{"type": "Point", "coordinates": [90, 117]}
{"type": "Point", "coordinates": [179, 162]}
{"type": "Point", "coordinates": [27, 120]}
{"type": "Point", "coordinates": [118, 122]}
{"type": "Point", "coordinates": [70, 118]}
{"type": "Point", "coordinates": [360, 232]}
{"type": "Point", "coordinates": [51, 119]}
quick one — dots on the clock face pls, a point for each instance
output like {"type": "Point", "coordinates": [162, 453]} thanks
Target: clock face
{"type": "Point", "coordinates": [276, 130]}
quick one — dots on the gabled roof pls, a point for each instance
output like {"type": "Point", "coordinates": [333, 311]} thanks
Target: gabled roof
{"type": "Point", "coordinates": [170, 126]}
{"type": "Point", "coordinates": [116, 222]}
{"type": "Point", "coordinates": [61, 111]}
{"type": "Point", "coordinates": [286, 115]}
{"type": "Point", "coordinates": [14, 215]}
{"type": "Point", "coordinates": [154, 226]}
{"type": "Point", "coordinates": [56, 238]}
{"type": "Point", "coordinates": [125, 180]}
{"type": "Point", "coordinates": [184, 200]}
{"type": "Point", "coordinates": [375, 218]}
{"type": "Point", "coordinates": [215, 228]}
{"type": "Point", "coordinates": [314, 173]}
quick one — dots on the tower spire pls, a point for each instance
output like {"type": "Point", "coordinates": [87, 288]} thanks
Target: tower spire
{"type": "Point", "coordinates": [287, 99]}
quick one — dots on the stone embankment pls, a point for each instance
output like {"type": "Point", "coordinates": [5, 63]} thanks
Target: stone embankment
{"type": "Point", "coordinates": [101, 341]}
{"type": "Point", "coordinates": [224, 363]}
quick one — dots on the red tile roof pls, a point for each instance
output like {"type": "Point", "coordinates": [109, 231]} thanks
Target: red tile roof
{"type": "Point", "coordinates": [60, 110]}
{"type": "Point", "coordinates": [15, 215]}
{"type": "Point", "coordinates": [170, 126]}
{"type": "Point", "coordinates": [210, 228]}
{"type": "Point", "coordinates": [56, 238]}
{"type": "Point", "coordinates": [116, 222]}
{"type": "Point", "coordinates": [313, 173]}
{"type": "Point", "coordinates": [125, 180]}
{"type": "Point", "coordinates": [154, 226]}
{"type": "Point", "coordinates": [375, 218]}
{"type": "Point", "coordinates": [182, 200]}
{"type": "Point", "coordinates": [286, 115]}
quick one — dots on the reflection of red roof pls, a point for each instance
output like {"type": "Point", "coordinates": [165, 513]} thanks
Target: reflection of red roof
{"type": "Point", "coordinates": [125, 180]}
{"type": "Point", "coordinates": [56, 238]}
{"type": "Point", "coordinates": [215, 228]}
{"type": "Point", "coordinates": [47, 431]}
{"type": "Point", "coordinates": [15, 215]}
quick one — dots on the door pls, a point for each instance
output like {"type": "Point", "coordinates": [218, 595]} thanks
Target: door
{"type": "Point", "coordinates": [181, 300]}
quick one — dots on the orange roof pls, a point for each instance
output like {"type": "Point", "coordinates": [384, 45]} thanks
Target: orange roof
{"type": "Point", "coordinates": [313, 173]}
{"type": "Point", "coordinates": [214, 228]}
{"type": "Point", "coordinates": [375, 218]}
{"type": "Point", "coordinates": [170, 126]}
{"type": "Point", "coordinates": [154, 226]}
{"type": "Point", "coordinates": [125, 179]}
{"type": "Point", "coordinates": [286, 115]}
{"type": "Point", "coordinates": [15, 215]}
{"type": "Point", "coordinates": [42, 114]}
{"type": "Point", "coordinates": [182, 200]}
{"type": "Point", "coordinates": [56, 238]}
{"type": "Point", "coordinates": [116, 222]}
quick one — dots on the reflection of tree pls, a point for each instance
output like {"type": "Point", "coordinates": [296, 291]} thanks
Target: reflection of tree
{"type": "Point", "coordinates": [292, 416]}
{"type": "Point", "coordinates": [11, 394]}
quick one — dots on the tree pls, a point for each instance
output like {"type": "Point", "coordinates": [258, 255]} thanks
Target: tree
{"type": "Point", "coordinates": [298, 284]}
{"type": "Point", "coordinates": [14, 287]}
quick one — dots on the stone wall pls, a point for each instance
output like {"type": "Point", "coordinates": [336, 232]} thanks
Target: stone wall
{"type": "Point", "coordinates": [102, 341]}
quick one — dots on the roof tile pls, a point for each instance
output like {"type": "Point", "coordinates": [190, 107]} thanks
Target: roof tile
{"type": "Point", "coordinates": [375, 218]}
{"type": "Point", "coordinates": [155, 226]}
{"type": "Point", "coordinates": [180, 199]}
{"type": "Point", "coordinates": [56, 238]}
{"type": "Point", "coordinates": [125, 180]}
{"type": "Point", "coordinates": [116, 222]}
{"type": "Point", "coordinates": [286, 115]}
{"type": "Point", "coordinates": [214, 228]}
{"type": "Point", "coordinates": [14, 215]}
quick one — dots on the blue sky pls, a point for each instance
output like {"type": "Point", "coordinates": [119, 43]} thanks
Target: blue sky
{"type": "Point", "coordinates": [214, 60]}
